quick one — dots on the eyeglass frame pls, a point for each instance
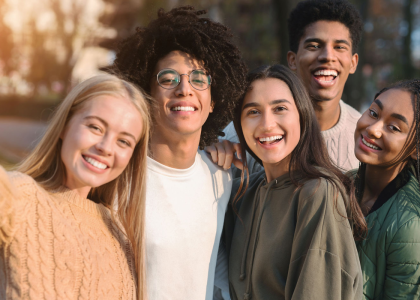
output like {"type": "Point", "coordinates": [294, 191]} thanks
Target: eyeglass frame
{"type": "Point", "coordinates": [189, 79]}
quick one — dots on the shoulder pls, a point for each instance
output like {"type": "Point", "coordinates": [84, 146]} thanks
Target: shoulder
{"type": "Point", "coordinates": [17, 181]}
{"type": "Point", "coordinates": [230, 133]}
{"type": "Point", "coordinates": [322, 192]}
{"type": "Point", "coordinates": [352, 115]}
{"type": "Point", "coordinates": [407, 204]}
{"type": "Point", "coordinates": [352, 173]}
{"type": "Point", "coordinates": [205, 159]}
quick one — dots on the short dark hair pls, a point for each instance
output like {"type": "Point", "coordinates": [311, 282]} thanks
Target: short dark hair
{"type": "Point", "coordinates": [207, 41]}
{"type": "Point", "coordinates": [310, 11]}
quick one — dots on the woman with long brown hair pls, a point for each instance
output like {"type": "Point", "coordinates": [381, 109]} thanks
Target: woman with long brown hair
{"type": "Point", "coordinates": [61, 234]}
{"type": "Point", "coordinates": [288, 234]}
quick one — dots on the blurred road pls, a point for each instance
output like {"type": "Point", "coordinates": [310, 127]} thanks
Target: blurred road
{"type": "Point", "coordinates": [18, 137]}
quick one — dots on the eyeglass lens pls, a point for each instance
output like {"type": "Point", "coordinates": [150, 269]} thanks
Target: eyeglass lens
{"type": "Point", "coordinates": [169, 79]}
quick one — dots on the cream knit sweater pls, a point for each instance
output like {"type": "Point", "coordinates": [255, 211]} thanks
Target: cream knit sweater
{"type": "Point", "coordinates": [57, 245]}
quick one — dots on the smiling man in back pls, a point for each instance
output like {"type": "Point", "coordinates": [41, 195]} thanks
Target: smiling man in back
{"type": "Point", "coordinates": [190, 66]}
{"type": "Point", "coordinates": [324, 36]}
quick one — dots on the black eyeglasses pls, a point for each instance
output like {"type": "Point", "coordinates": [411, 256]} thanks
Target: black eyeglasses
{"type": "Point", "coordinates": [170, 79]}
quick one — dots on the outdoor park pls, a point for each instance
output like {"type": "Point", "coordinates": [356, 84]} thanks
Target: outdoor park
{"type": "Point", "coordinates": [50, 45]}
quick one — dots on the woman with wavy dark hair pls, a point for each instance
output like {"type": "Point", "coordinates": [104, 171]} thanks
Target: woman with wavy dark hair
{"type": "Point", "coordinates": [387, 188]}
{"type": "Point", "coordinates": [288, 233]}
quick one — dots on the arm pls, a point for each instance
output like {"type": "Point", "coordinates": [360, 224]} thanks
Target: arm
{"type": "Point", "coordinates": [402, 277]}
{"type": "Point", "coordinates": [6, 207]}
{"type": "Point", "coordinates": [324, 262]}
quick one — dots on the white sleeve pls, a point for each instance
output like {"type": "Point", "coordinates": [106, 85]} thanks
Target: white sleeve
{"type": "Point", "coordinates": [221, 277]}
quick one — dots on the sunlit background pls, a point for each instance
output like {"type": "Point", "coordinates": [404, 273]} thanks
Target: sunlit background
{"type": "Point", "coordinates": [47, 46]}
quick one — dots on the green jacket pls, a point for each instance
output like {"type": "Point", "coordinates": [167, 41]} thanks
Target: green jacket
{"type": "Point", "coordinates": [390, 255]}
{"type": "Point", "coordinates": [289, 243]}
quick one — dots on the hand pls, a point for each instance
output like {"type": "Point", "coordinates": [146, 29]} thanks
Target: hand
{"type": "Point", "coordinates": [223, 154]}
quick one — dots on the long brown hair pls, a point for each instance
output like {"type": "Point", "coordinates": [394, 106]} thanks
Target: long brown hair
{"type": "Point", "coordinates": [310, 155]}
{"type": "Point", "coordinates": [44, 164]}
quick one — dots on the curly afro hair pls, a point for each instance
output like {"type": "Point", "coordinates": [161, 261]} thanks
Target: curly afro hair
{"type": "Point", "coordinates": [207, 41]}
{"type": "Point", "coordinates": [311, 11]}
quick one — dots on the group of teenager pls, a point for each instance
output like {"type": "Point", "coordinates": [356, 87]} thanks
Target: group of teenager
{"type": "Point", "coordinates": [130, 193]}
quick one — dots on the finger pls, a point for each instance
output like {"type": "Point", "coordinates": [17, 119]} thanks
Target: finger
{"type": "Point", "coordinates": [238, 150]}
{"type": "Point", "coordinates": [238, 163]}
{"type": "Point", "coordinates": [220, 154]}
{"type": "Point", "coordinates": [229, 154]}
{"type": "Point", "coordinates": [212, 151]}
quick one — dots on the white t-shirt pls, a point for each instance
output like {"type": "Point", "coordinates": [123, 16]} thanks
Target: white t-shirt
{"type": "Point", "coordinates": [185, 210]}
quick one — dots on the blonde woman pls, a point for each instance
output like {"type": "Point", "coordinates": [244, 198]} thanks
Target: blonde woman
{"type": "Point", "coordinates": [59, 234]}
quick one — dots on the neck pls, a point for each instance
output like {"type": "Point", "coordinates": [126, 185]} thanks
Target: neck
{"type": "Point", "coordinates": [327, 113]}
{"type": "Point", "coordinates": [82, 191]}
{"type": "Point", "coordinates": [273, 171]}
{"type": "Point", "coordinates": [376, 179]}
{"type": "Point", "coordinates": [177, 152]}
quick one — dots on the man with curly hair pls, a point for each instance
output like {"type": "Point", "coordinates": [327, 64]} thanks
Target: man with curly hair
{"type": "Point", "coordinates": [191, 67]}
{"type": "Point", "coordinates": [323, 36]}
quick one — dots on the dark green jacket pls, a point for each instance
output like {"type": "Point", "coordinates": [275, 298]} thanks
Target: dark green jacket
{"type": "Point", "coordinates": [390, 255]}
{"type": "Point", "coordinates": [290, 243]}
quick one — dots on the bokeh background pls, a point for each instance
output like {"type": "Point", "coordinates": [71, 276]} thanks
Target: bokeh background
{"type": "Point", "coordinates": [47, 46]}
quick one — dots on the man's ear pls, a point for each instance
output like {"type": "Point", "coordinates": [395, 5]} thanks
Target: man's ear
{"type": "Point", "coordinates": [211, 106]}
{"type": "Point", "coordinates": [354, 62]}
{"type": "Point", "coordinates": [291, 60]}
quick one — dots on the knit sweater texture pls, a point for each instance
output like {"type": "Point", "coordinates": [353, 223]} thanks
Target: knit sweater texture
{"type": "Point", "coordinates": [58, 245]}
{"type": "Point", "coordinates": [339, 140]}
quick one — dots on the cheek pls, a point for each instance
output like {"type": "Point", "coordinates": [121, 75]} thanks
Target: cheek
{"type": "Point", "coordinates": [248, 128]}
{"type": "Point", "coordinates": [122, 158]}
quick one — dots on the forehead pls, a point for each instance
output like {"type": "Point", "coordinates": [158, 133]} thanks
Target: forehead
{"type": "Point", "coordinates": [268, 89]}
{"type": "Point", "coordinates": [397, 102]}
{"type": "Point", "coordinates": [326, 31]}
{"type": "Point", "coordinates": [179, 61]}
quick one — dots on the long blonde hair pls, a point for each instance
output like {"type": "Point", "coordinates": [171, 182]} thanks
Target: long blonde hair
{"type": "Point", "coordinates": [44, 164]}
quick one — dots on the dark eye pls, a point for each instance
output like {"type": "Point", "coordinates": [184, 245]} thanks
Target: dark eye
{"type": "Point", "coordinates": [95, 128]}
{"type": "Point", "coordinates": [394, 128]}
{"type": "Point", "coordinates": [126, 143]}
{"type": "Point", "coordinates": [280, 108]}
{"type": "Point", "coordinates": [313, 46]}
{"type": "Point", "coordinates": [372, 113]}
{"type": "Point", "coordinates": [252, 112]}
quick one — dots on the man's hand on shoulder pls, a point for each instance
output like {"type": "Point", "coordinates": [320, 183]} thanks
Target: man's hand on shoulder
{"type": "Point", "coordinates": [223, 154]}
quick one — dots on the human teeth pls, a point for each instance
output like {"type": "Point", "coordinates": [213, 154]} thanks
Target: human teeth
{"type": "Point", "coordinates": [95, 163]}
{"type": "Point", "coordinates": [271, 138]}
{"type": "Point", "coordinates": [369, 144]}
{"type": "Point", "coordinates": [326, 72]}
{"type": "Point", "coordinates": [183, 108]}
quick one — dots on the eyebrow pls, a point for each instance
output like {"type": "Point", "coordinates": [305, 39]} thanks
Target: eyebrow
{"type": "Point", "coordinates": [394, 115]}
{"type": "Point", "coordinates": [379, 103]}
{"type": "Point", "coordinates": [316, 40]}
{"type": "Point", "coordinates": [254, 104]}
{"type": "Point", "coordinates": [106, 124]}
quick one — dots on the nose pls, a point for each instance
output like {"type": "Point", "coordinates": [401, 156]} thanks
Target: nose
{"type": "Point", "coordinates": [327, 53]}
{"type": "Point", "coordinates": [268, 121]}
{"type": "Point", "coordinates": [105, 145]}
{"type": "Point", "coordinates": [184, 87]}
{"type": "Point", "coordinates": [374, 130]}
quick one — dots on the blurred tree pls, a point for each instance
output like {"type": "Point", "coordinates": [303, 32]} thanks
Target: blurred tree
{"type": "Point", "coordinates": [6, 45]}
